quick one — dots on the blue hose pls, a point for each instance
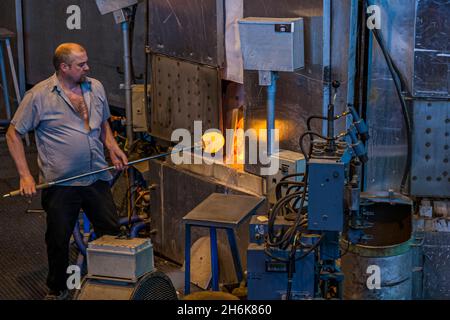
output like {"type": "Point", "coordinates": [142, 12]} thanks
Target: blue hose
{"type": "Point", "coordinates": [137, 223]}
{"type": "Point", "coordinates": [136, 228]}
{"type": "Point", "coordinates": [124, 221]}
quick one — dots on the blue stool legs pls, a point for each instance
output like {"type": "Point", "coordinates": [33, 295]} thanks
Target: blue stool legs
{"type": "Point", "coordinates": [187, 258]}
{"type": "Point", "coordinates": [214, 259]}
{"type": "Point", "coordinates": [235, 253]}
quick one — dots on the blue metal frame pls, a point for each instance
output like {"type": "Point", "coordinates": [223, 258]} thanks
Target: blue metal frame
{"type": "Point", "coordinates": [235, 252]}
{"type": "Point", "coordinates": [214, 256]}
{"type": "Point", "coordinates": [187, 258]}
{"type": "Point", "coordinates": [214, 259]}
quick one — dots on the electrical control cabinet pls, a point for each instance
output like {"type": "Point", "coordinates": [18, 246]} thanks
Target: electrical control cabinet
{"type": "Point", "coordinates": [272, 44]}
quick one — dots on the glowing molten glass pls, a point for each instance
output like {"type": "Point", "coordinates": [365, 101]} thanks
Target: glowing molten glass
{"type": "Point", "coordinates": [213, 142]}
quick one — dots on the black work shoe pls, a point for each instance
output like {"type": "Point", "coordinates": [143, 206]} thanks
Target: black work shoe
{"type": "Point", "coordinates": [57, 295]}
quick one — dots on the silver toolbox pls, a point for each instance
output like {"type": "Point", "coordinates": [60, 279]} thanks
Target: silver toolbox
{"type": "Point", "coordinates": [272, 44]}
{"type": "Point", "coordinates": [113, 257]}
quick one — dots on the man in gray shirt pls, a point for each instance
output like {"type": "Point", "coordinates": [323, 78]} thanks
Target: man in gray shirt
{"type": "Point", "coordinates": [69, 113]}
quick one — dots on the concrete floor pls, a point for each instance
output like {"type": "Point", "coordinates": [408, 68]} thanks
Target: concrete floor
{"type": "Point", "coordinates": [23, 259]}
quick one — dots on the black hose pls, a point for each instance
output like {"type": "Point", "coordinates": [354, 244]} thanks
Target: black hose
{"type": "Point", "coordinates": [272, 216]}
{"type": "Point", "coordinates": [310, 133]}
{"type": "Point", "coordinates": [400, 86]}
{"type": "Point", "coordinates": [308, 121]}
{"type": "Point", "coordinates": [286, 183]}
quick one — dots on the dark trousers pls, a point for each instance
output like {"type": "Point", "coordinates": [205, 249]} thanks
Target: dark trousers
{"type": "Point", "coordinates": [62, 205]}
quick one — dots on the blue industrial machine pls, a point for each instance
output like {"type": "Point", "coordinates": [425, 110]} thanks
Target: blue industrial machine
{"type": "Point", "coordinates": [293, 252]}
{"type": "Point", "coordinates": [267, 271]}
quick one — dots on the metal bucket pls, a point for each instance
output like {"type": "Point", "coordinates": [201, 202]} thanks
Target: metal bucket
{"type": "Point", "coordinates": [388, 254]}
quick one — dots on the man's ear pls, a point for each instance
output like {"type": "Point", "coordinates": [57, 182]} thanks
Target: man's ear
{"type": "Point", "coordinates": [64, 66]}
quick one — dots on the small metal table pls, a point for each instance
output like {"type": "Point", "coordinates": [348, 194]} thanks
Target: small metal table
{"type": "Point", "coordinates": [218, 211]}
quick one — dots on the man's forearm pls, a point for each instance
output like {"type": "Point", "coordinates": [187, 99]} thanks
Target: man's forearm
{"type": "Point", "coordinates": [17, 151]}
{"type": "Point", "coordinates": [108, 137]}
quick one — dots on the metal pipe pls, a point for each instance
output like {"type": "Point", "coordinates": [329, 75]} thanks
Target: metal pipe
{"type": "Point", "coordinates": [127, 82]}
{"type": "Point", "coordinates": [5, 84]}
{"type": "Point", "coordinates": [326, 58]}
{"type": "Point", "coordinates": [13, 71]}
{"type": "Point", "coordinates": [271, 97]}
{"type": "Point", "coordinates": [15, 81]}
{"type": "Point", "coordinates": [330, 122]}
{"type": "Point", "coordinates": [52, 183]}
{"type": "Point", "coordinates": [128, 101]}
{"type": "Point", "coordinates": [20, 47]}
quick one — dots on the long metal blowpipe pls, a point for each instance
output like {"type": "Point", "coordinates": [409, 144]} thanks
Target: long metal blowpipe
{"type": "Point", "coordinates": [52, 183]}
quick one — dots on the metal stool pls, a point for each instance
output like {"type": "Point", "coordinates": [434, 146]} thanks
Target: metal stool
{"type": "Point", "coordinates": [5, 37]}
{"type": "Point", "coordinates": [218, 211]}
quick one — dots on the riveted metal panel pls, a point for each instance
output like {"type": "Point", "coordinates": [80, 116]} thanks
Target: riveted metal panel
{"type": "Point", "coordinates": [184, 92]}
{"type": "Point", "coordinates": [431, 149]}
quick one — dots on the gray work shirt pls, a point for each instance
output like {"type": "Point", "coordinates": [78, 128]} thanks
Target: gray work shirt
{"type": "Point", "coordinates": [65, 147]}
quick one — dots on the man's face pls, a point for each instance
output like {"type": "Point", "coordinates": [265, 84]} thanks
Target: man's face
{"type": "Point", "coordinates": [79, 68]}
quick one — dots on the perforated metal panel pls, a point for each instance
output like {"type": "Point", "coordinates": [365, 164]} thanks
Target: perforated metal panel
{"type": "Point", "coordinates": [184, 92]}
{"type": "Point", "coordinates": [430, 175]}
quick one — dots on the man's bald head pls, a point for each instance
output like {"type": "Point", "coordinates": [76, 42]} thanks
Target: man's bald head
{"type": "Point", "coordinates": [64, 54]}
